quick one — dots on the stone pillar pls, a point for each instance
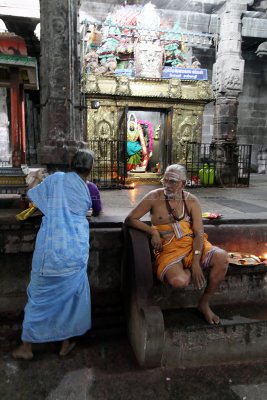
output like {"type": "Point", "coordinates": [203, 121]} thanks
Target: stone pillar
{"type": "Point", "coordinates": [5, 153]}
{"type": "Point", "coordinates": [227, 80]}
{"type": "Point", "coordinates": [61, 133]}
{"type": "Point", "coordinates": [17, 119]}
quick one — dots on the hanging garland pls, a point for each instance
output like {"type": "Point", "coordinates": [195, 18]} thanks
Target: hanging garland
{"type": "Point", "coordinates": [150, 132]}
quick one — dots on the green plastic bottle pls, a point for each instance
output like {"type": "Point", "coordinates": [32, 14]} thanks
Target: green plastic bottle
{"type": "Point", "coordinates": [206, 175]}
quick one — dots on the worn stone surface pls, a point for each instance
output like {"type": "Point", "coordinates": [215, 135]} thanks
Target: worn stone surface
{"type": "Point", "coordinates": [106, 370]}
{"type": "Point", "coordinates": [240, 336]}
{"type": "Point", "coordinates": [104, 267]}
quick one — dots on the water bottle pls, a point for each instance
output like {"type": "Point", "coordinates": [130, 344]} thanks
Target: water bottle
{"type": "Point", "coordinates": [206, 175]}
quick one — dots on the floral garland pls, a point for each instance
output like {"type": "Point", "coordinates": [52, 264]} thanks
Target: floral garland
{"type": "Point", "coordinates": [150, 132]}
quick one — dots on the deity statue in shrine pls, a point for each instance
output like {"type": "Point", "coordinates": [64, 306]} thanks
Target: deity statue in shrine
{"type": "Point", "coordinates": [139, 145]}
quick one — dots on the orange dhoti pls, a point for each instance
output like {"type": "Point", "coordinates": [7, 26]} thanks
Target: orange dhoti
{"type": "Point", "coordinates": [179, 249]}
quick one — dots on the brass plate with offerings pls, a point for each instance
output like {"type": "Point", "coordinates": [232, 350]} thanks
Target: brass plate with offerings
{"type": "Point", "coordinates": [243, 259]}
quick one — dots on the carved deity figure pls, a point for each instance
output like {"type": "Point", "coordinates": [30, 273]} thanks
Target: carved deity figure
{"type": "Point", "coordinates": [203, 90]}
{"type": "Point", "coordinates": [123, 86]}
{"type": "Point", "coordinates": [175, 88]}
{"type": "Point", "coordinates": [148, 60]}
{"type": "Point", "coordinates": [104, 133]}
{"type": "Point", "coordinates": [186, 136]}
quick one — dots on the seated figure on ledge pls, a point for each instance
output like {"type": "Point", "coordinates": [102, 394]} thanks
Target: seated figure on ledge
{"type": "Point", "coordinates": [181, 248]}
{"type": "Point", "coordinates": [137, 152]}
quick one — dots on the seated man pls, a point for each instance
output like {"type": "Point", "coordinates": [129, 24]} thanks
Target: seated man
{"type": "Point", "coordinates": [181, 248]}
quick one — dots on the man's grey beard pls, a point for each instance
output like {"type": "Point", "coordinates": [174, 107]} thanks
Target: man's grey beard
{"type": "Point", "coordinates": [176, 196]}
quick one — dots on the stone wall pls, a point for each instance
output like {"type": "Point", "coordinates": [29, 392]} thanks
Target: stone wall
{"type": "Point", "coordinates": [252, 116]}
{"type": "Point", "coordinates": [16, 247]}
{"type": "Point", "coordinates": [106, 253]}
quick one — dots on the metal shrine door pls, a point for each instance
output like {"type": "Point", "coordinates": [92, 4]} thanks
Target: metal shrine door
{"type": "Point", "coordinates": [166, 141]}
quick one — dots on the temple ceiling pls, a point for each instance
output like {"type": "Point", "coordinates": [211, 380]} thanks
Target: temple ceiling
{"type": "Point", "coordinates": [22, 17]}
{"type": "Point", "coordinates": [99, 9]}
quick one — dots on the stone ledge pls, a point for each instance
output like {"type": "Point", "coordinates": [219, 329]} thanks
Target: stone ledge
{"type": "Point", "coordinates": [190, 341]}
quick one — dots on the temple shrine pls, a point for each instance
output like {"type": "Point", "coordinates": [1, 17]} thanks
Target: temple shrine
{"type": "Point", "coordinates": [17, 73]}
{"type": "Point", "coordinates": [145, 93]}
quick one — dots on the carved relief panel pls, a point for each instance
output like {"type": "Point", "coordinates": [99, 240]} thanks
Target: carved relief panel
{"type": "Point", "coordinates": [187, 128]}
{"type": "Point", "coordinates": [148, 60]}
{"type": "Point", "coordinates": [102, 127]}
{"type": "Point", "coordinates": [228, 75]}
{"type": "Point", "coordinates": [102, 122]}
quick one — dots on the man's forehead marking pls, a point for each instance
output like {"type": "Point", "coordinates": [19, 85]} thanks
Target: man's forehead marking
{"type": "Point", "coordinates": [173, 174]}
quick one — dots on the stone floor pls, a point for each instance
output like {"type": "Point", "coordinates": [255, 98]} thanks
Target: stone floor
{"type": "Point", "coordinates": [106, 370]}
{"type": "Point", "coordinates": [234, 203]}
{"type": "Point", "coordinates": [240, 203]}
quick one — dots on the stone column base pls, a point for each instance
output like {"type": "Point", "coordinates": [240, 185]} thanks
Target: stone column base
{"type": "Point", "coordinates": [57, 154]}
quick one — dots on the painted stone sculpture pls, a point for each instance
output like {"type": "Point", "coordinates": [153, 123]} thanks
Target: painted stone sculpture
{"type": "Point", "coordinates": [139, 145]}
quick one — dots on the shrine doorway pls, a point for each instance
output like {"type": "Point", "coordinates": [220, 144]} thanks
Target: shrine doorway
{"type": "Point", "coordinates": [149, 139]}
{"type": "Point", "coordinates": [108, 116]}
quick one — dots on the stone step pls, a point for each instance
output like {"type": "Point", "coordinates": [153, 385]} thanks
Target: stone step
{"type": "Point", "coordinates": [182, 338]}
{"type": "Point", "coordinates": [190, 341]}
{"type": "Point", "coordinates": [242, 284]}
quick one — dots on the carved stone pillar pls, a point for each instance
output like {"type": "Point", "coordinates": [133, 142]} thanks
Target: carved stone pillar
{"type": "Point", "coordinates": [5, 154]}
{"type": "Point", "coordinates": [228, 73]}
{"type": "Point", "coordinates": [61, 133]}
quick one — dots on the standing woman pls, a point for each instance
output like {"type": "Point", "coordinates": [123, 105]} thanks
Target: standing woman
{"type": "Point", "coordinates": [59, 304]}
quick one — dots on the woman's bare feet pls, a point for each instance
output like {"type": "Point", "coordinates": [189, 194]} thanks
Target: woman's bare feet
{"type": "Point", "coordinates": [23, 352]}
{"type": "Point", "coordinates": [66, 347]}
{"type": "Point", "coordinates": [207, 312]}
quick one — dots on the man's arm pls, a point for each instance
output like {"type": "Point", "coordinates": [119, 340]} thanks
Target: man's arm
{"type": "Point", "coordinates": [197, 225]}
{"type": "Point", "coordinates": [198, 229]}
{"type": "Point", "coordinates": [133, 219]}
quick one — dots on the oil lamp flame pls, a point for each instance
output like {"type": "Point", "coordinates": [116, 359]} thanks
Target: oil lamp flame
{"type": "Point", "coordinates": [263, 258]}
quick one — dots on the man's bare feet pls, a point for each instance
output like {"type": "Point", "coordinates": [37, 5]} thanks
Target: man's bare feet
{"type": "Point", "coordinates": [207, 312]}
{"type": "Point", "coordinates": [23, 352]}
{"type": "Point", "coordinates": [66, 348]}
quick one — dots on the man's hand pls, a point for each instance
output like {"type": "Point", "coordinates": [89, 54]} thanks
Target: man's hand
{"type": "Point", "coordinates": [197, 276]}
{"type": "Point", "coordinates": [156, 240]}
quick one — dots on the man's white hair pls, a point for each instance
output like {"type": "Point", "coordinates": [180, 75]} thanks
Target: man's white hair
{"type": "Point", "coordinates": [177, 169]}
